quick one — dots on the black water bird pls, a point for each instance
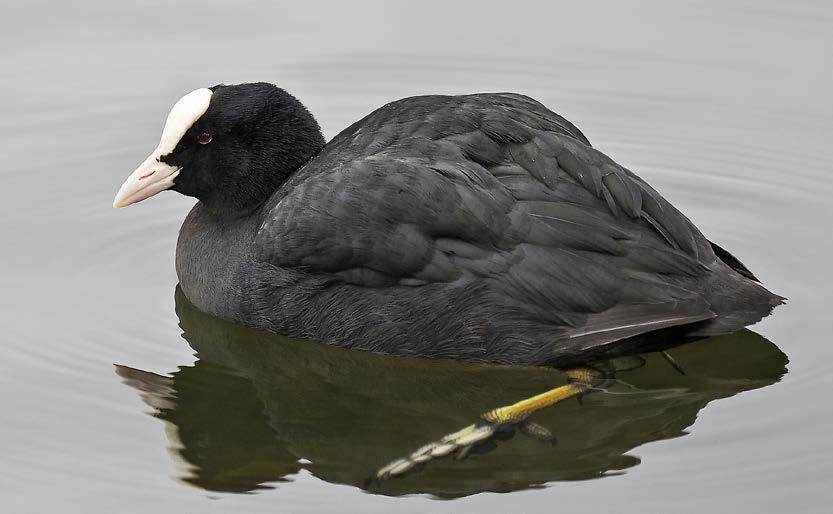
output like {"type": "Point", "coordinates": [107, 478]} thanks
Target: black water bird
{"type": "Point", "coordinates": [480, 227]}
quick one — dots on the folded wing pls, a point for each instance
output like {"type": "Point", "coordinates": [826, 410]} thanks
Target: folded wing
{"type": "Point", "coordinates": [499, 191]}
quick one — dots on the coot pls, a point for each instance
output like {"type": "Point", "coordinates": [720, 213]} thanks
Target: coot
{"type": "Point", "coordinates": [481, 227]}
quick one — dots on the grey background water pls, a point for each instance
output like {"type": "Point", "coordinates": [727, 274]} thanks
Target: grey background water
{"type": "Point", "coordinates": [725, 107]}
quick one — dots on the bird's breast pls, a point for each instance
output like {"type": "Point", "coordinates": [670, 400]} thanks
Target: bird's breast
{"type": "Point", "coordinates": [210, 255]}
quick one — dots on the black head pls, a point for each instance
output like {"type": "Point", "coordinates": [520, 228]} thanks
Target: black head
{"type": "Point", "coordinates": [228, 146]}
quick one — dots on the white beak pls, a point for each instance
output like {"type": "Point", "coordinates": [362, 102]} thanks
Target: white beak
{"type": "Point", "coordinates": [151, 177]}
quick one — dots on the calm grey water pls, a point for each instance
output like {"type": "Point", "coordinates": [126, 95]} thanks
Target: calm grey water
{"type": "Point", "coordinates": [725, 108]}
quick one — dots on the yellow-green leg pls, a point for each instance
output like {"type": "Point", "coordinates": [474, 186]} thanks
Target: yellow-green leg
{"type": "Point", "coordinates": [581, 379]}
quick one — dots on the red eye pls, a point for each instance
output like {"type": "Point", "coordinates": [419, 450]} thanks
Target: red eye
{"type": "Point", "coordinates": [204, 138]}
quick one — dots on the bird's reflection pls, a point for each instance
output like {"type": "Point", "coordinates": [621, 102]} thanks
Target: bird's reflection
{"type": "Point", "coordinates": [255, 408]}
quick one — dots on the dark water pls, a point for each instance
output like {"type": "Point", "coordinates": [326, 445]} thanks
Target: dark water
{"type": "Point", "coordinates": [725, 108]}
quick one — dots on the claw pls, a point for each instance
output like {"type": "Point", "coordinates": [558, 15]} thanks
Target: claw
{"type": "Point", "coordinates": [537, 431]}
{"type": "Point", "coordinates": [667, 356]}
{"type": "Point", "coordinates": [464, 452]}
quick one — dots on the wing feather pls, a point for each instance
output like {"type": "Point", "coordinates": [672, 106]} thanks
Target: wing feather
{"type": "Point", "coordinates": [511, 198]}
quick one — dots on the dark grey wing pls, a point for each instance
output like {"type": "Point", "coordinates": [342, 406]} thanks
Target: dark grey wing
{"type": "Point", "coordinates": [499, 191]}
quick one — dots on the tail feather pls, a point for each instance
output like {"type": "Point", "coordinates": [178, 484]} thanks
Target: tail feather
{"type": "Point", "coordinates": [739, 301]}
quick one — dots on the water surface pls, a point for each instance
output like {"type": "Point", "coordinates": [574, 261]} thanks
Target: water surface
{"type": "Point", "coordinates": [724, 108]}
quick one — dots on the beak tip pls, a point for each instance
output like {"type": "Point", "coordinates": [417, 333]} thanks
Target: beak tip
{"type": "Point", "coordinates": [148, 179]}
